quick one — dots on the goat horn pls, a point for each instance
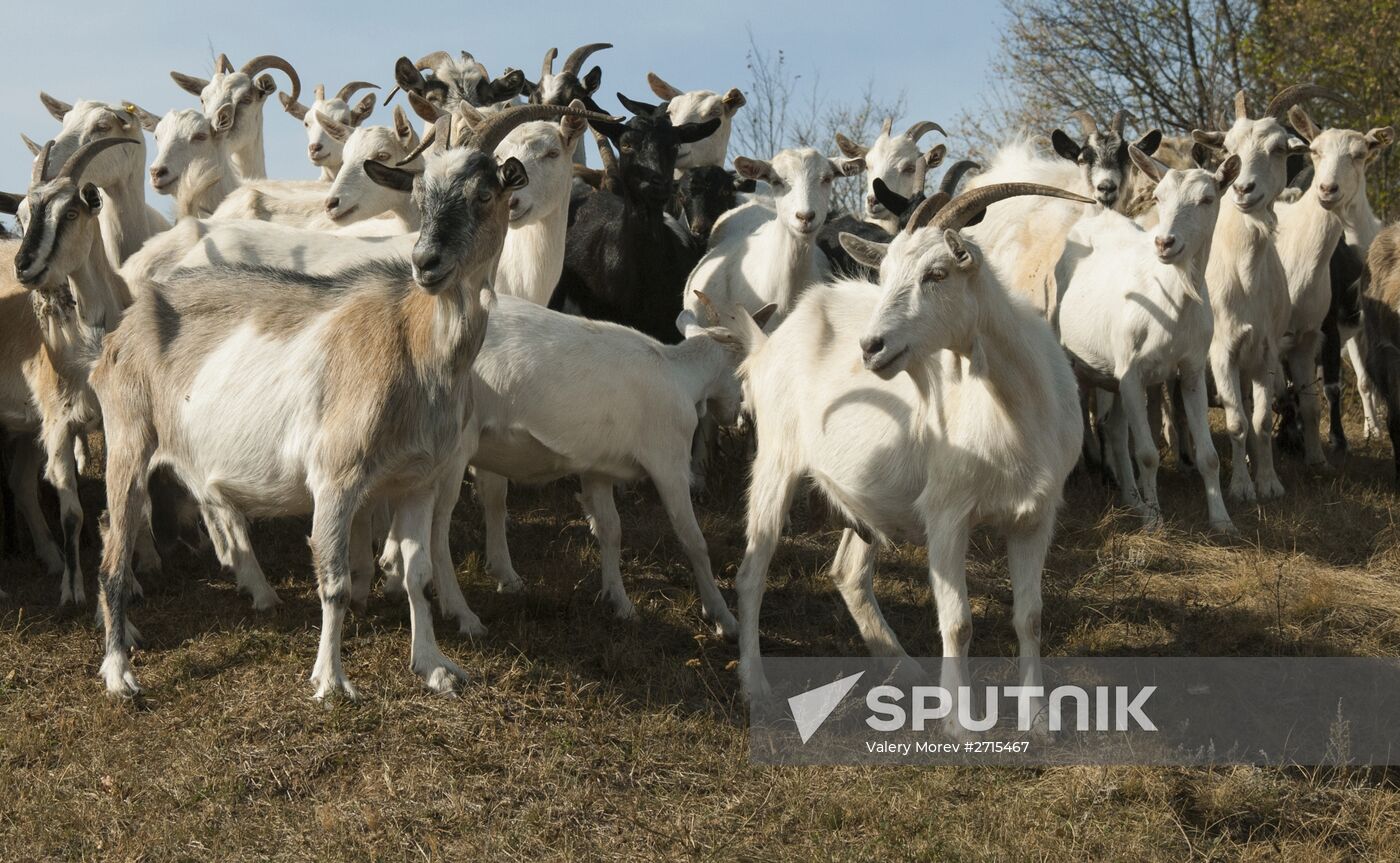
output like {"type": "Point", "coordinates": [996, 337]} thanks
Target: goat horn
{"type": "Point", "coordinates": [41, 164]}
{"type": "Point", "coordinates": [953, 176]}
{"type": "Point", "coordinates": [1120, 117]}
{"type": "Point", "coordinates": [547, 67]}
{"type": "Point", "coordinates": [430, 137]}
{"type": "Point", "coordinates": [319, 91]}
{"type": "Point", "coordinates": [1290, 96]}
{"type": "Point", "coordinates": [576, 59]}
{"type": "Point", "coordinates": [1087, 123]}
{"type": "Point", "coordinates": [223, 64]}
{"type": "Point", "coordinates": [272, 61]}
{"type": "Point", "coordinates": [491, 132]}
{"type": "Point", "coordinates": [74, 167]}
{"type": "Point", "coordinates": [344, 93]}
{"type": "Point", "coordinates": [922, 128]}
{"type": "Point", "coordinates": [1241, 106]}
{"type": "Point", "coordinates": [886, 126]}
{"type": "Point", "coordinates": [964, 207]}
{"type": "Point", "coordinates": [605, 154]}
{"type": "Point", "coordinates": [433, 60]}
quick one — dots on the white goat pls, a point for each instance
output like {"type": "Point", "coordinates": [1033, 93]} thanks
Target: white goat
{"type": "Point", "coordinates": [1134, 314]}
{"type": "Point", "coordinates": [897, 161]}
{"type": "Point", "coordinates": [270, 392]}
{"type": "Point", "coordinates": [983, 429]}
{"type": "Point", "coordinates": [321, 148]}
{"type": "Point", "coordinates": [246, 92]}
{"type": "Point", "coordinates": [1249, 290]}
{"type": "Point", "coordinates": [192, 163]}
{"type": "Point", "coordinates": [699, 106]}
{"type": "Point", "coordinates": [765, 251]}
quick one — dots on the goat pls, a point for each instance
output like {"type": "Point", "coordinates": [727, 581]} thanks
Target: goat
{"type": "Point", "coordinates": [983, 429]}
{"type": "Point", "coordinates": [245, 91]}
{"type": "Point", "coordinates": [765, 252]}
{"type": "Point", "coordinates": [896, 161]}
{"type": "Point", "coordinates": [703, 195]}
{"type": "Point", "coordinates": [900, 206]}
{"type": "Point", "coordinates": [271, 392]}
{"type": "Point", "coordinates": [455, 80]}
{"type": "Point", "coordinates": [1134, 314]}
{"type": "Point", "coordinates": [1103, 157]}
{"type": "Point", "coordinates": [1249, 289]}
{"type": "Point", "coordinates": [128, 222]}
{"type": "Point", "coordinates": [192, 163]}
{"type": "Point", "coordinates": [568, 86]}
{"type": "Point", "coordinates": [1381, 319]}
{"type": "Point", "coordinates": [624, 261]}
{"type": "Point", "coordinates": [324, 149]}
{"type": "Point", "coordinates": [696, 107]}
{"type": "Point", "coordinates": [75, 301]}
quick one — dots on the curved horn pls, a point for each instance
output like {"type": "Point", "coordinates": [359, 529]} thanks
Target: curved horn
{"type": "Point", "coordinates": [344, 93]}
{"type": "Point", "coordinates": [547, 67]}
{"type": "Point", "coordinates": [953, 176]}
{"type": "Point", "coordinates": [576, 58]}
{"type": "Point", "coordinates": [223, 64]}
{"type": "Point", "coordinates": [1120, 117]}
{"type": "Point", "coordinates": [78, 162]}
{"type": "Point", "coordinates": [272, 61]}
{"type": "Point", "coordinates": [443, 126]}
{"type": "Point", "coordinates": [964, 207]}
{"type": "Point", "coordinates": [1290, 96]}
{"type": "Point", "coordinates": [1087, 123]}
{"type": "Point", "coordinates": [1241, 106]}
{"type": "Point", "coordinates": [433, 60]}
{"type": "Point", "coordinates": [922, 128]}
{"type": "Point", "coordinates": [41, 164]}
{"type": "Point", "coordinates": [490, 133]}
{"type": "Point", "coordinates": [611, 171]}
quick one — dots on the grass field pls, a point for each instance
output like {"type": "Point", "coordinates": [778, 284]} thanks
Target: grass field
{"type": "Point", "coordinates": [582, 737]}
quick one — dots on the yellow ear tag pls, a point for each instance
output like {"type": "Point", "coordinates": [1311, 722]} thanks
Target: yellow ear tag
{"type": "Point", "coordinates": [129, 108]}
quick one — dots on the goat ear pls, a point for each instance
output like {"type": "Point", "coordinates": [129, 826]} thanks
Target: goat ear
{"type": "Point", "coordinates": [148, 120]}
{"type": "Point", "coordinates": [741, 184]}
{"type": "Point", "coordinates": [1200, 155]}
{"type": "Point", "coordinates": [571, 128]}
{"type": "Point", "coordinates": [962, 252]}
{"type": "Point", "coordinates": [641, 109]}
{"type": "Point", "coordinates": [733, 100]}
{"type": "Point", "coordinates": [407, 76]}
{"type": "Point", "coordinates": [724, 336]}
{"type": "Point", "coordinates": [403, 130]}
{"type": "Point", "coordinates": [1212, 139]}
{"type": "Point", "coordinates": [57, 108]}
{"type": "Point", "coordinates": [1064, 145]}
{"type": "Point", "coordinates": [1377, 140]}
{"type": "Point", "coordinates": [390, 178]}
{"type": "Point", "coordinates": [508, 86]}
{"type": "Point", "coordinates": [593, 80]}
{"type": "Point", "coordinates": [1227, 172]}
{"type": "Point", "coordinates": [34, 146]}
{"type": "Point", "coordinates": [608, 128]}
{"type": "Point", "coordinates": [9, 203]}
{"type": "Point", "coordinates": [935, 156]}
{"type": "Point", "coordinates": [338, 131]}
{"type": "Point", "coordinates": [363, 109]}
{"type": "Point", "coordinates": [688, 325]}
{"type": "Point", "coordinates": [848, 167]}
{"type": "Point", "coordinates": [888, 198]}
{"type": "Point", "coordinates": [661, 88]}
{"type": "Point", "coordinates": [292, 106]}
{"type": "Point", "coordinates": [190, 84]}
{"type": "Point", "coordinates": [689, 133]}
{"type": "Point", "coordinates": [91, 197]}
{"type": "Point", "coordinates": [513, 175]}
{"type": "Point", "coordinates": [223, 118]}
{"type": "Point", "coordinates": [753, 169]}
{"type": "Point", "coordinates": [1145, 163]}
{"type": "Point", "coordinates": [423, 108]}
{"type": "Point", "coordinates": [1299, 119]}
{"type": "Point", "coordinates": [866, 252]}
{"type": "Point", "coordinates": [1149, 143]}
{"type": "Point", "coordinates": [761, 316]}
{"type": "Point", "coordinates": [1298, 147]}
{"type": "Point", "coordinates": [849, 148]}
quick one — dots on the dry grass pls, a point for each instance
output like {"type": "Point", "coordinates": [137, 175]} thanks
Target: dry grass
{"type": "Point", "coordinates": [581, 737]}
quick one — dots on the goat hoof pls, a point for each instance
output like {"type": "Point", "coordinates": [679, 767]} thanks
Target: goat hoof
{"type": "Point", "coordinates": [121, 681]}
{"type": "Point", "coordinates": [1270, 489]}
{"type": "Point", "coordinates": [725, 625]}
{"type": "Point", "coordinates": [331, 684]}
{"type": "Point", "coordinates": [266, 601]}
{"type": "Point", "coordinates": [622, 607]}
{"type": "Point", "coordinates": [1242, 491]}
{"type": "Point", "coordinates": [470, 625]}
{"type": "Point", "coordinates": [1224, 528]}
{"type": "Point", "coordinates": [510, 583]}
{"type": "Point", "coordinates": [440, 674]}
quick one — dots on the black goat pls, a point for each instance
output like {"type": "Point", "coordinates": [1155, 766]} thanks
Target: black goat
{"type": "Point", "coordinates": [566, 86]}
{"type": "Point", "coordinates": [705, 193]}
{"type": "Point", "coordinates": [624, 261]}
{"type": "Point", "coordinates": [829, 238]}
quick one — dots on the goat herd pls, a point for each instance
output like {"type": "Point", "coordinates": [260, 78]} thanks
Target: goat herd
{"type": "Point", "coordinates": [471, 295]}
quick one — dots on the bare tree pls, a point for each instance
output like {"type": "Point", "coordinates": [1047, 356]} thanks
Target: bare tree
{"type": "Point", "coordinates": [1175, 64]}
{"type": "Point", "coordinates": [786, 109]}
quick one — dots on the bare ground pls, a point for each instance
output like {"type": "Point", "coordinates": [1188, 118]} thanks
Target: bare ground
{"type": "Point", "coordinates": [582, 737]}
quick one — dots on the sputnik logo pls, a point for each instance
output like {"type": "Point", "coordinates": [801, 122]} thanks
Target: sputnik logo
{"type": "Point", "coordinates": [811, 708]}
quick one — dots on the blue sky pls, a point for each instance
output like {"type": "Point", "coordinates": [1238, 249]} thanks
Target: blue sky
{"type": "Point", "coordinates": [125, 50]}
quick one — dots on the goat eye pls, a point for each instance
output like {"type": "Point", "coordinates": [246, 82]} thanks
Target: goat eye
{"type": "Point", "coordinates": [1206, 202]}
{"type": "Point", "coordinates": [484, 196]}
{"type": "Point", "coordinates": [552, 154]}
{"type": "Point", "coordinates": [776, 183]}
{"type": "Point", "coordinates": [246, 100]}
{"type": "Point", "coordinates": [937, 274]}
{"type": "Point", "coordinates": [71, 215]}
{"type": "Point", "coordinates": [907, 169]}
{"type": "Point", "coordinates": [199, 136]}
{"type": "Point", "coordinates": [101, 127]}
{"type": "Point", "coordinates": [826, 181]}
{"type": "Point", "coordinates": [381, 156]}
